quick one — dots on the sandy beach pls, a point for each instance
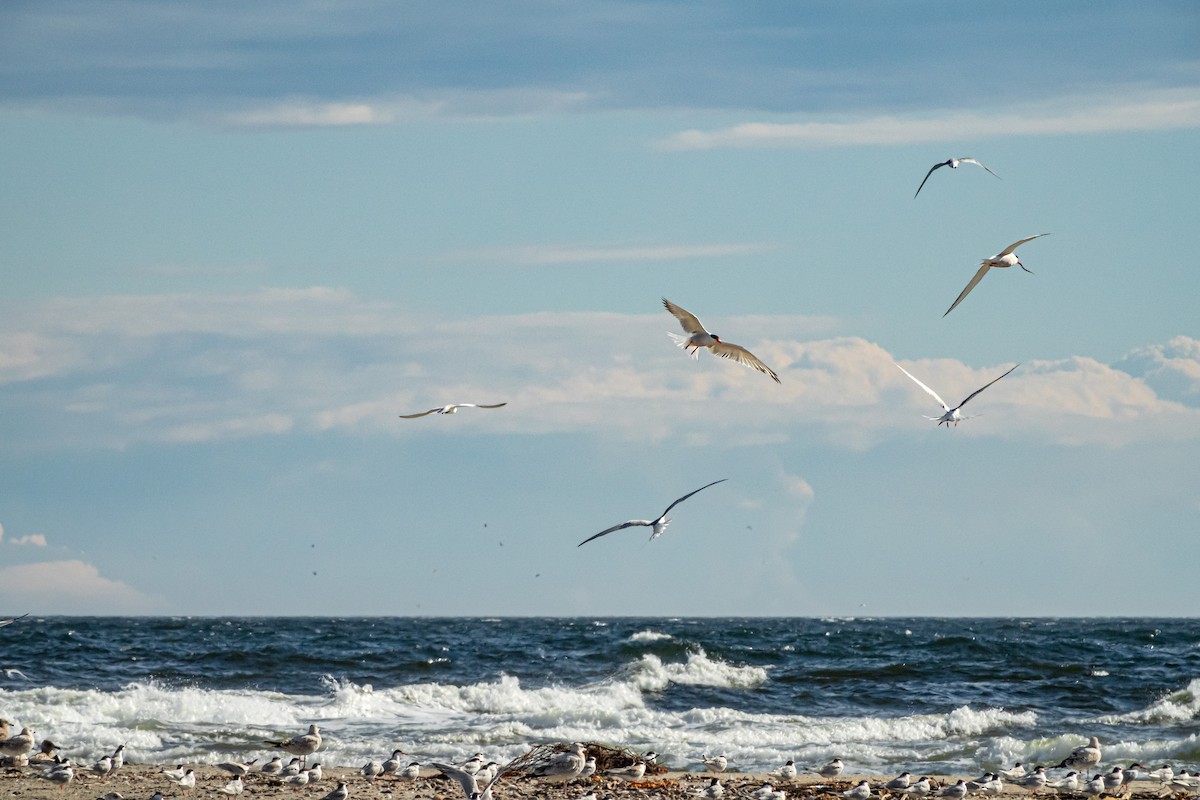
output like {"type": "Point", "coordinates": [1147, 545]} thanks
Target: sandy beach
{"type": "Point", "coordinates": [139, 782]}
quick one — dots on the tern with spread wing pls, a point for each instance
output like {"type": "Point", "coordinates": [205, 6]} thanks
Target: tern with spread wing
{"type": "Point", "coordinates": [698, 337]}
{"type": "Point", "coordinates": [1005, 258]}
{"type": "Point", "coordinates": [952, 414]}
{"type": "Point", "coordinates": [450, 409]}
{"type": "Point", "coordinates": [952, 163]}
{"type": "Point", "coordinates": [659, 525]}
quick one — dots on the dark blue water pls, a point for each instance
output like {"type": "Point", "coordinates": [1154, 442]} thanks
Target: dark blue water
{"type": "Point", "coordinates": [887, 693]}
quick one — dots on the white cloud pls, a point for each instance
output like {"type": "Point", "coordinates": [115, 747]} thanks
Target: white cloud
{"type": "Point", "coordinates": [193, 368]}
{"type": "Point", "coordinates": [35, 539]}
{"type": "Point", "coordinates": [1164, 109]}
{"type": "Point", "coordinates": [300, 114]}
{"type": "Point", "coordinates": [68, 587]}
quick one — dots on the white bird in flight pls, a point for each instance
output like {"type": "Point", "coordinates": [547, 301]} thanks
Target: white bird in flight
{"type": "Point", "coordinates": [659, 525]}
{"type": "Point", "coordinates": [698, 337]}
{"type": "Point", "coordinates": [952, 163]}
{"type": "Point", "coordinates": [951, 414]}
{"type": "Point", "coordinates": [1005, 258]}
{"type": "Point", "coordinates": [450, 409]}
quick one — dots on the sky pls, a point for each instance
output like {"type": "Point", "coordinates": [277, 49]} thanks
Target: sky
{"type": "Point", "coordinates": [237, 241]}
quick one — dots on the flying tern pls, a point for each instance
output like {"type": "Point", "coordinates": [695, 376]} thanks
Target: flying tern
{"type": "Point", "coordinates": [698, 337]}
{"type": "Point", "coordinates": [952, 163]}
{"type": "Point", "coordinates": [659, 525]}
{"type": "Point", "coordinates": [469, 782]}
{"type": "Point", "coordinates": [450, 409]}
{"type": "Point", "coordinates": [952, 414]}
{"type": "Point", "coordinates": [1005, 258]}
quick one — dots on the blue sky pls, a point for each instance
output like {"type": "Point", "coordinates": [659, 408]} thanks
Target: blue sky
{"type": "Point", "coordinates": [236, 241]}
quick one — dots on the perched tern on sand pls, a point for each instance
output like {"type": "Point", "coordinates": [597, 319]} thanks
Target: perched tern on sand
{"type": "Point", "coordinates": [830, 769]}
{"type": "Point", "coordinates": [450, 409]}
{"type": "Point", "coordinates": [698, 337]}
{"type": "Point", "coordinates": [860, 791]}
{"type": "Point", "coordinates": [952, 163]}
{"type": "Point", "coordinates": [1005, 258]}
{"type": "Point", "coordinates": [951, 414]}
{"type": "Point", "coordinates": [659, 525]}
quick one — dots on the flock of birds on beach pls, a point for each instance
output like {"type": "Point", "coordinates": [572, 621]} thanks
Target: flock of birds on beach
{"type": "Point", "coordinates": [569, 763]}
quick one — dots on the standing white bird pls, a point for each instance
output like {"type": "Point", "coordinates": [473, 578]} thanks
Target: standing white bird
{"type": "Point", "coordinates": [450, 409]}
{"type": "Point", "coordinates": [951, 414]}
{"type": "Point", "coordinates": [103, 767]}
{"type": "Point", "coordinates": [955, 791]}
{"type": "Point", "coordinates": [291, 768]}
{"type": "Point", "coordinates": [714, 790]}
{"type": "Point", "coordinates": [659, 525]}
{"type": "Point", "coordinates": [237, 768]}
{"type": "Point", "coordinates": [1005, 258]}
{"type": "Point", "coordinates": [919, 788]}
{"type": "Point", "coordinates": [589, 768]}
{"type": "Point", "coordinates": [235, 786]}
{"type": "Point", "coordinates": [372, 770]}
{"type": "Point", "coordinates": [1017, 771]}
{"type": "Point", "coordinates": [1033, 781]}
{"type": "Point", "coordinates": [630, 774]}
{"type": "Point", "coordinates": [393, 765]}
{"type": "Point", "coordinates": [1081, 757]}
{"type": "Point", "coordinates": [952, 163]}
{"type": "Point", "coordinates": [304, 745]}
{"type": "Point", "coordinates": [698, 337]}
{"type": "Point", "coordinates": [860, 791]}
{"type": "Point", "coordinates": [411, 772]}
{"type": "Point", "coordinates": [469, 780]}
{"type": "Point", "coordinates": [18, 745]}
{"type": "Point", "coordinates": [719, 763]}
{"type": "Point", "coordinates": [830, 769]}
{"type": "Point", "coordinates": [272, 767]}
{"type": "Point", "coordinates": [788, 771]}
{"type": "Point", "coordinates": [1068, 783]}
{"type": "Point", "coordinates": [186, 781]}
{"type": "Point", "coordinates": [899, 783]}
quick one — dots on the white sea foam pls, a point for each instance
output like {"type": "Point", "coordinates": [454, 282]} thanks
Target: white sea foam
{"type": "Point", "coordinates": [650, 636]}
{"type": "Point", "coordinates": [652, 674]}
{"type": "Point", "coordinates": [1176, 707]}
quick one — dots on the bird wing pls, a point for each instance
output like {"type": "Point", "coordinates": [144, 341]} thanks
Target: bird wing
{"type": "Point", "coordinates": [465, 779]}
{"type": "Point", "coordinates": [11, 620]}
{"type": "Point", "coordinates": [481, 405]}
{"type": "Point", "coordinates": [927, 174]}
{"type": "Point", "coordinates": [689, 494]}
{"type": "Point", "coordinates": [630, 524]}
{"type": "Point", "coordinates": [932, 393]}
{"type": "Point", "coordinates": [423, 413]}
{"type": "Point", "coordinates": [977, 163]}
{"type": "Point", "coordinates": [742, 356]}
{"type": "Point", "coordinates": [980, 389]}
{"type": "Point", "coordinates": [1017, 244]}
{"type": "Point", "coordinates": [983, 268]}
{"type": "Point", "coordinates": [687, 320]}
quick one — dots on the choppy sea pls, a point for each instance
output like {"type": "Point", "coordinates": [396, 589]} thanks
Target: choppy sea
{"type": "Point", "coordinates": [886, 695]}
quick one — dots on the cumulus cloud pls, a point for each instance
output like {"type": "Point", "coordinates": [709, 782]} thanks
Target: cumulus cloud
{"type": "Point", "coordinates": [185, 369]}
{"type": "Point", "coordinates": [1162, 110]}
{"type": "Point", "coordinates": [35, 539]}
{"type": "Point", "coordinates": [68, 587]}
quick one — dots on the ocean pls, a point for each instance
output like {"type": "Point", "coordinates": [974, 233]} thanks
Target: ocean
{"type": "Point", "coordinates": [937, 696]}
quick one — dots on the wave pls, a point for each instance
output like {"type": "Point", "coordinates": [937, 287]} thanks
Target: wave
{"type": "Point", "coordinates": [649, 636]}
{"type": "Point", "coordinates": [651, 674]}
{"type": "Point", "coordinates": [1182, 706]}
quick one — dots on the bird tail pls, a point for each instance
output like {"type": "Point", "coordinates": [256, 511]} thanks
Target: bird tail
{"type": "Point", "coordinates": [682, 343]}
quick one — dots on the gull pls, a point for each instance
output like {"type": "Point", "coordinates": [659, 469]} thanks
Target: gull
{"type": "Point", "coordinates": [713, 791]}
{"type": "Point", "coordinates": [831, 769]}
{"type": "Point", "coordinates": [860, 791]}
{"type": "Point", "coordinates": [719, 763]}
{"type": "Point", "coordinates": [450, 409]}
{"type": "Point", "coordinates": [698, 337]}
{"type": "Point", "coordinates": [303, 746]}
{"type": "Point", "coordinates": [955, 791]}
{"type": "Point", "coordinates": [47, 753]}
{"type": "Point", "coordinates": [952, 163]}
{"type": "Point", "coordinates": [18, 745]}
{"type": "Point", "coordinates": [951, 414]}
{"type": "Point", "coordinates": [1005, 258]}
{"type": "Point", "coordinates": [340, 793]}
{"type": "Point", "coordinates": [236, 768]}
{"type": "Point", "coordinates": [272, 767]}
{"type": "Point", "coordinates": [235, 786]}
{"type": "Point", "coordinates": [564, 766]}
{"type": "Point", "coordinates": [658, 525]}
{"type": "Point", "coordinates": [1088, 755]}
